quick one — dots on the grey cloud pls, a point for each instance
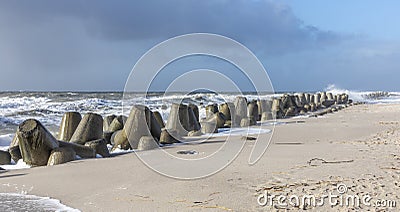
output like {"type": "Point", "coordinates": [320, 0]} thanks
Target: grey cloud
{"type": "Point", "coordinates": [255, 23]}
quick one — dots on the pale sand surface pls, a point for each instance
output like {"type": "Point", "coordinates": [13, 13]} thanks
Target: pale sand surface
{"type": "Point", "coordinates": [366, 138]}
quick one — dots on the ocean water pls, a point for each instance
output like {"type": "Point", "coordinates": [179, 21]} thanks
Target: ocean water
{"type": "Point", "coordinates": [49, 107]}
{"type": "Point", "coordinates": [23, 202]}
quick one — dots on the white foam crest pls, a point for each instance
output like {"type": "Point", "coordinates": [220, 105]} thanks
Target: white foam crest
{"type": "Point", "coordinates": [24, 202]}
{"type": "Point", "coordinates": [239, 131]}
{"type": "Point", "coordinates": [14, 110]}
{"type": "Point", "coordinates": [14, 166]}
{"type": "Point", "coordinates": [363, 96]}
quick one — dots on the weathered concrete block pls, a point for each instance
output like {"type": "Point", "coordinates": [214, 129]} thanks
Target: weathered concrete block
{"type": "Point", "coordinates": [69, 123]}
{"type": "Point", "coordinates": [90, 128]}
{"type": "Point", "coordinates": [35, 142]}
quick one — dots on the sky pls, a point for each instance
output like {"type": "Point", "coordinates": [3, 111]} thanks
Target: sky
{"type": "Point", "coordinates": [304, 45]}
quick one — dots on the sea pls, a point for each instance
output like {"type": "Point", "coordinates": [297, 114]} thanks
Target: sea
{"type": "Point", "coordinates": [49, 107]}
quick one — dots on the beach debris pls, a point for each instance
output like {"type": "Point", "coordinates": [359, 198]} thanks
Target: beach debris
{"type": "Point", "coordinates": [289, 143]}
{"type": "Point", "coordinates": [69, 123]}
{"type": "Point", "coordinates": [195, 133]}
{"type": "Point", "coordinates": [187, 152]}
{"type": "Point", "coordinates": [143, 197]}
{"type": "Point", "coordinates": [35, 142]}
{"type": "Point", "coordinates": [318, 161]}
{"type": "Point", "coordinates": [213, 207]}
{"type": "Point", "coordinates": [61, 155]}
{"type": "Point", "coordinates": [249, 138]}
{"type": "Point", "coordinates": [391, 168]}
{"type": "Point", "coordinates": [5, 158]}
{"type": "Point", "coordinates": [90, 128]}
{"type": "Point", "coordinates": [147, 143]}
{"type": "Point", "coordinates": [197, 203]}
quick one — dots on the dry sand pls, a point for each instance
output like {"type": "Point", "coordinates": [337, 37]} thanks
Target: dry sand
{"type": "Point", "coordinates": [358, 146]}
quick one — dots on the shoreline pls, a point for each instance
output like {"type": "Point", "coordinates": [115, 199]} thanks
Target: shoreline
{"type": "Point", "coordinates": [124, 182]}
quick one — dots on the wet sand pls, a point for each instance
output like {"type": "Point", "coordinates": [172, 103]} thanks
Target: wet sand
{"type": "Point", "coordinates": [358, 146]}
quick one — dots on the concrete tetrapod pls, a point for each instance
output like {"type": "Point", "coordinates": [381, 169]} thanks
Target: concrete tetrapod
{"type": "Point", "coordinates": [90, 128]}
{"type": "Point", "coordinates": [80, 150]}
{"type": "Point", "coordinates": [14, 150]}
{"type": "Point", "coordinates": [240, 109]}
{"type": "Point", "coordinates": [169, 137]}
{"type": "Point", "coordinates": [265, 116]}
{"type": "Point", "coordinates": [120, 140]}
{"type": "Point", "coordinates": [178, 119]}
{"type": "Point", "coordinates": [155, 128]}
{"type": "Point", "coordinates": [99, 146]}
{"type": "Point", "coordinates": [224, 109]}
{"type": "Point", "coordinates": [159, 119]}
{"type": "Point", "coordinates": [147, 143]}
{"type": "Point", "coordinates": [61, 155]}
{"type": "Point", "coordinates": [35, 142]}
{"type": "Point", "coordinates": [263, 106]}
{"type": "Point", "coordinates": [117, 124]}
{"type": "Point", "coordinates": [194, 124]}
{"type": "Point", "coordinates": [195, 111]}
{"type": "Point", "coordinates": [252, 111]}
{"type": "Point", "coordinates": [107, 121]}
{"type": "Point", "coordinates": [69, 123]}
{"type": "Point", "coordinates": [276, 108]}
{"type": "Point", "coordinates": [137, 125]}
{"type": "Point", "coordinates": [211, 110]}
{"type": "Point", "coordinates": [5, 157]}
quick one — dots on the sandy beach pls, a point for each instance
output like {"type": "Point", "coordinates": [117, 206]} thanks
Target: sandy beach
{"type": "Point", "coordinates": [357, 146]}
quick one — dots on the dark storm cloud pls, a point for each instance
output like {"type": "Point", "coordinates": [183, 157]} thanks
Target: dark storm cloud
{"type": "Point", "coordinates": [261, 22]}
